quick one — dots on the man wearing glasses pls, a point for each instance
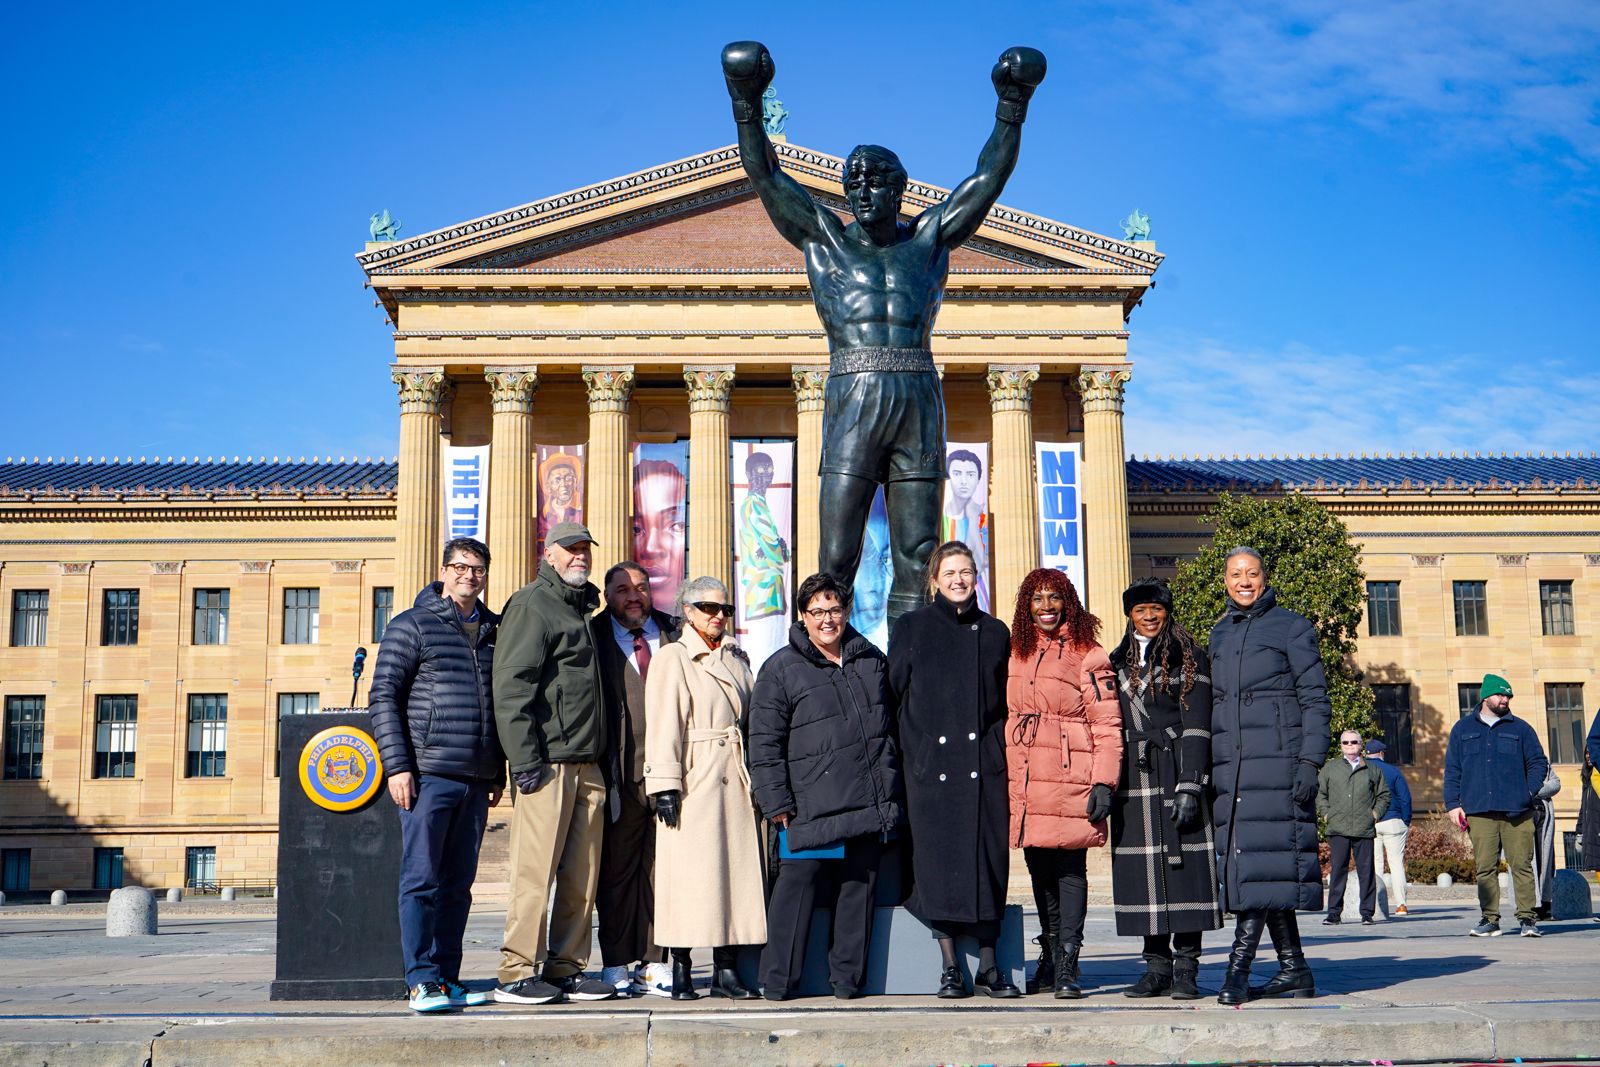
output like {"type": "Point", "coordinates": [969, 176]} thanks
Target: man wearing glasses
{"type": "Point", "coordinates": [433, 717]}
{"type": "Point", "coordinates": [1352, 795]}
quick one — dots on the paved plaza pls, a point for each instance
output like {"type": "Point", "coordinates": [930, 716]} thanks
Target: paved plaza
{"type": "Point", "coordinates": [1409, 990]}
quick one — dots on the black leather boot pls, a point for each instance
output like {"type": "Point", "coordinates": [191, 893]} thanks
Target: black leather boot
{"type": "Point", "coordinates": [1066, 986]}
{"type": "Point", "coordinates": [1185, 979]}
{"type": "Point", "coordinates": [996, 983]}
{"type": "Point", "coordinates": [682, 983]}
{"type": "Point", "coordinates": [725, 975]}
{"type": "Point", "coordinates": [1246, 936]}
{"type": "Point", "coordinates": [1044, 973]}
{"type": "Point", "coordinates": [1294, 977]}
{"type": "Point", "coordinates": [1156, 981]}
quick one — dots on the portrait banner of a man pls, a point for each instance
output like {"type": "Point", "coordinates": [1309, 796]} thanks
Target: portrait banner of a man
{"type": "Point", "coordinates": [763, 508]}
{"type": "Point", "coordinates": [966, 506]}
{"type": "Point", "coordinates": [661, 517]}
{"type": "Point", "coordinates": [560, 473]}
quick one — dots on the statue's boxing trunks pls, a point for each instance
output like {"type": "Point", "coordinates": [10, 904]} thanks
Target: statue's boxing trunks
{"type": "Point", "coordinates": [883, 415]}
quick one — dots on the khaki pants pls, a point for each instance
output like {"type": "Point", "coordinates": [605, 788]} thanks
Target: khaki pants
{"type": "Point", "coordinates": [1391, 842]}
{"type": "Point", "coordinates": [1491, 834]}
{"type": "Point", "coordinates": [555, 837]}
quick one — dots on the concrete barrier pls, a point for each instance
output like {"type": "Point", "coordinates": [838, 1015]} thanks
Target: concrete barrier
{"type": "Point", "coordinates": [1352, 899]}
{"type": "Point", "coordinates": [131, 912]}
{"type": "Point", "coordinates": [228, 892]}
{"type": "Point", "coordinates": [1570, 896]}
{"type": "Point", "coordinates": [174, 895]}
{"type": "Point", "coordinates": [58, 898]}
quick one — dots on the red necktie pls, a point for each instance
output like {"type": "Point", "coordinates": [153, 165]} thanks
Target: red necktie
{"type": "Point", "coordinates": [641, 653]}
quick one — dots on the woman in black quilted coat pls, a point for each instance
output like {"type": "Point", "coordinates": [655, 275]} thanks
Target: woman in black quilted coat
{"type": "Point", "coordinates": [1269, 722]}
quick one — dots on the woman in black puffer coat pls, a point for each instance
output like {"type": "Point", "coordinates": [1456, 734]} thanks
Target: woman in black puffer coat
{"type": "Point", "coordinates": [1269, 725]}
{"type": "Point", "coordinates": [824, 770]}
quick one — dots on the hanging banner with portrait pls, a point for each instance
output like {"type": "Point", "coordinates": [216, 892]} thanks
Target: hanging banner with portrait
{"type": "Point", "coordinates": [762, 473]}
{"type": "Point", "coordinates": [559, 470]}
{"type": "Point", "coordinates": [966, 506]}
{"type": "Point", "coordinates": [874, 576]}
{"type": "Point", "coordinates": [466, 491]}
{"type": "Point", "coordinates": [1060, 468]}
{"type": "Point", "coordinates": [661, 518]}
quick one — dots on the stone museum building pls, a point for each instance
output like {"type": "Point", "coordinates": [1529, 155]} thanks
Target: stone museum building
{"type": "Point", "coordinates": [158, 618]}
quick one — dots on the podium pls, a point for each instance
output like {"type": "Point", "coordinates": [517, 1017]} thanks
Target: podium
{"type": "Point", "coordinates": [338, 864]}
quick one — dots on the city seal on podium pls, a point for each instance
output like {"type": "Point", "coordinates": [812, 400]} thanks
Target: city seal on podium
{"type": "Point", "coordinates": [340, 769]}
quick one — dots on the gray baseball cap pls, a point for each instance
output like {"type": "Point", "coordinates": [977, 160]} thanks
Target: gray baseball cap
{"type": "Point", "coordinates": [570, 535]}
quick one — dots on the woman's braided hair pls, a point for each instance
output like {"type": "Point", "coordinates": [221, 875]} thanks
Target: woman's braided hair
{"type": "Point", "coordinates": [1077, 625]}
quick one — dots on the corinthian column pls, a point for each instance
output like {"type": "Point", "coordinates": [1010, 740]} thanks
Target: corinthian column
{"type": "Point", "coordinates": [424, 392]}
{"type": "Point", "coordinates": [511, 500]}
{"type": "Point", "coordinates": [810, 385]}
{"type": "Point", "coordinates": [1014, 502]}
{"type": "Point", "coordinates": [608, 506]}
{"type": "Point", "coordinates": [711, 520]}
{"type": "Point", "coordinates": [1105, 489]}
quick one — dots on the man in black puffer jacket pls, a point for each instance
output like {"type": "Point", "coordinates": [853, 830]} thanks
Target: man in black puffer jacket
{"type": "Point", "coordinates": [432, 708]}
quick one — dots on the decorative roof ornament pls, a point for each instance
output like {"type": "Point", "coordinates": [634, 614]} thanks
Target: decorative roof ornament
{"type": "Point", "coordinates": [774, 116]}
{"type": "Point", "coordinates": [384, 228]}
{"type": "Point", "coordinates": [1136, 227]}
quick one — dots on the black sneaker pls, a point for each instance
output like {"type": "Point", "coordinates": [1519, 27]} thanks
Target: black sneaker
{"type": "Point", "coordinates": [577, 987]}
{"type": "Point", "coordinates": [1369, 921]}
{"type": "Point", "coordinates": [1531, 929]}
{"type": "Point", "coordinates": [528, 991]}
{"type": "Point", "coordinates": [1332, 920]}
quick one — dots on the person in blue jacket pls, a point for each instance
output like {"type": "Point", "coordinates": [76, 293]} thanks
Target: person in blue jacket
{"type": "Point", "coordinates": [1494, 767]}
{"type": "Point", "coordinates": [1393, 828]}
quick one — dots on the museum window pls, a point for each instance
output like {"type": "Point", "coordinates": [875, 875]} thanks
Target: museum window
{"type": "Point", "coordinates": [1392, 707]}
{"type": "Point", "coordinates": [16, 869]}
{"type": "Point", "coordinates": [108, 868]}
{"type": "Point", "coordinates": [200, 867]}
{"type": "Point", "coordinates": [1383, 609]}
{"type": "Point", "coordinates": [382, 610]}
{"type": "Point", "coordinates": [116, 728]}
{"type": "Point", "coordinates": [210, 616]}
{"type": "Point", "coordinates": [30, 616]}
{"type": "Point", "coordinates": [119, 617]}
{"type": "Point", "coordinates": [1555, 609]}
{"type": "Point", "coordinates": [300, 616]}
{"type": "Point", "coordinates": [208, 735]}
{"type": "Point", "coordinates": [1564, 721]}
{"type": "Point", "coordinates": [1466, 698]}
{"type": "Point", "coordinates": [24, 738]}
{"type": "Point", "coordinates": [1472, 608]}
{"type": "Point", "coordinates": [293, 704]}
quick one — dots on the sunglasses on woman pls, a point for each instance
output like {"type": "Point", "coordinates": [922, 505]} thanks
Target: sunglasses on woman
{"type": "Point", "coordinates": [711, 608]}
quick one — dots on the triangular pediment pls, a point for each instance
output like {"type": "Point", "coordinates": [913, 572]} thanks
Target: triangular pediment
{"type": "Point", "coordinates": [700, 214]}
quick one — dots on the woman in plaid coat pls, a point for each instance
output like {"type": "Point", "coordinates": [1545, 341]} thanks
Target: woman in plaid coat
{"type": "Point", "coordinates": [1163, 859]}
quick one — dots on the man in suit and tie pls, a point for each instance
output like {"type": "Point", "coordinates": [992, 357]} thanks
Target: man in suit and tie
{"type": "Point", "coordinates": [626, 635]}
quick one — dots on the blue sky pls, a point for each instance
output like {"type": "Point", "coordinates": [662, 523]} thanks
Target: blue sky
{"type": "Point", "coordinates": [1382, 220]}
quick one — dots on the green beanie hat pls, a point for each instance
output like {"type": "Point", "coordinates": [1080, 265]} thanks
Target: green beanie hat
{"type": "Point", "coordinates": [1493, 684]}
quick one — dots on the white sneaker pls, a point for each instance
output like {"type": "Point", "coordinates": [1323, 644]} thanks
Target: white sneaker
{"type": "Point", "coordinates": [654, 979]}
{"type": "Point", "coordinates": [618, 978]}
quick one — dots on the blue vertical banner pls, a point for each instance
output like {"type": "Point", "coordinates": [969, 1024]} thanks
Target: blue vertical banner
{"type": "Point", "coordinates": [874, 576]}
{"type": "Point", "coordinates": [466, 492]}
{"type": "Point", "coordinates": [1060, 468]}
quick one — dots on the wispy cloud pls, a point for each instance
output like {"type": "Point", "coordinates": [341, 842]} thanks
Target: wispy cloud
{"type": "Point", "coordinates": [129, 342]}
{"type": "Point", "coordinates": [1194, 394]}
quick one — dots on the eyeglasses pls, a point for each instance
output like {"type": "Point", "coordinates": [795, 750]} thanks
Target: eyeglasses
{"type": "Point", "coordinates": [825, 614]}
{"type": "Point", "coordinates": [711, 607]}
{"type": "Point", "coordinates": [460, 569]}
{"type": "Point", "coordinates": [1349, 742]}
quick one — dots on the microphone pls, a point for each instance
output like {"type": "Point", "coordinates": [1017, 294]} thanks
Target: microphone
{"type": "Point", "coordinates": [356, 668]}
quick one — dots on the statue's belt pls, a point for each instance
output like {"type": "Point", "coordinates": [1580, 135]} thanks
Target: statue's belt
{"type": "Point", "coordinates": [880, 358]}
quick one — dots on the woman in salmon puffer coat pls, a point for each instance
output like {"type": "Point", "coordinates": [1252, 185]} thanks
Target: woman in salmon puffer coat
{"type": "Point", "coordinates": [1063, 759]}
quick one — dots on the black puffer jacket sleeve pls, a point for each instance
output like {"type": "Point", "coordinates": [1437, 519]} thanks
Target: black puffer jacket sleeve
{"type": "Point", "coordinates": [770, 708]}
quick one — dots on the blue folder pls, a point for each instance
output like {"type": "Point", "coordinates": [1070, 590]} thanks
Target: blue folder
{"type": "Point", "coordinates": [826, 852]}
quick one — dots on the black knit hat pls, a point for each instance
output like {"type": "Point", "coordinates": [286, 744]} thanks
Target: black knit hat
{"type": "Point", "coordinates": [1146, 591]}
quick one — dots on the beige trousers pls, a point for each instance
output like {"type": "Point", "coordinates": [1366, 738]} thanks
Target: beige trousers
{"type": "Point", "coordinates": [1391, 843]}
{"type": "Point", "coordinates": [555, 837]}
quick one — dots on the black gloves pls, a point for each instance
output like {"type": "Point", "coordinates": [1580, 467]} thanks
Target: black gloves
{"type": "Point", "coordinates": [1099, 802]}
{"type": "Point", "coordinates": [1305, 783]}
{"type": "Point", "coordinates": [1185, 811]}
{"type": "Point", "coordinates": [667, 807]}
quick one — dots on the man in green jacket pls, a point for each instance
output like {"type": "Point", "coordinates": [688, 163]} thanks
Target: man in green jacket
{"type": "Point", "coordinates": [1352, 795]}
{"type": "Point", "coordinates": [552, 725]}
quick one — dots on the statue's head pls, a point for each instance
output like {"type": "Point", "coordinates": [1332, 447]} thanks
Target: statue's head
{"type": "Point", "coordinates": [874, 180]}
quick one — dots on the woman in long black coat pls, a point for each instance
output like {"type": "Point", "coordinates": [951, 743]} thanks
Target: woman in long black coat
{"type": "Point", "coordinates": [1163, 861]}
{"type": "Point", "coordinates": [1269, 722]}
{"type": "Point", "coordinates": [947, 670]}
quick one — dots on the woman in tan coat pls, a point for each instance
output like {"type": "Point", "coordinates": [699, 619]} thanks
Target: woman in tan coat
{"type": "Point", "coordinates": [709, 861]}
{"type": "Point", "coordinates": [1063, 758]}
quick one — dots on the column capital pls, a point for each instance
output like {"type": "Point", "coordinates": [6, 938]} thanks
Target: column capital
{"type": "Point", "coordinates": [423, 390]}
{"type": "Point", "coordinates": [810, 385]}
{"type": "Point", "coordinates": [1102, 387]}
{"type": "Point", "coordinates": [610, 388]}
{"type": "Point", "coordinates": [710, 387]}
{"type": "Point", "coordinates": [512, 388]}
{"type": "Point", "coordinates": [1011, 386]}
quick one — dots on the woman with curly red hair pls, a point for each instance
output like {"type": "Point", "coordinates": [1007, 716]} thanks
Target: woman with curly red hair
{"type": "Point", "coordinates": [1063, 758]}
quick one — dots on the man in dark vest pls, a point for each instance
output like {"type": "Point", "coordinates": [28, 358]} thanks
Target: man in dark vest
{"type": "Point", "coordinates": [626, 635]}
